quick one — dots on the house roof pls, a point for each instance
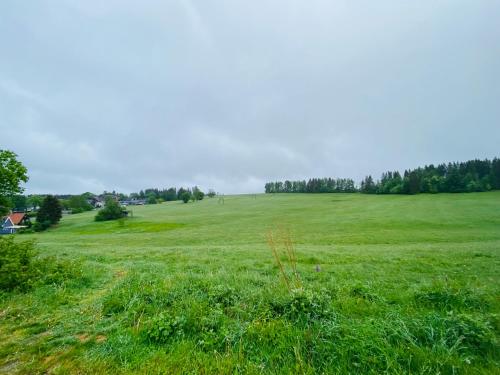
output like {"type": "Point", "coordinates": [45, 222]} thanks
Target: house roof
{"type": "Point", "coordinates": [16, 218]}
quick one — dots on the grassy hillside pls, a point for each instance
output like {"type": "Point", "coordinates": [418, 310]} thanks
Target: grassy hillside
{"type": "Point", "coordinates": [405, 284]}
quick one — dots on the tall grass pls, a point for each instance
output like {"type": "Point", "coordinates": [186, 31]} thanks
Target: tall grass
{"type": "Point", "coordinates": [281, 245]}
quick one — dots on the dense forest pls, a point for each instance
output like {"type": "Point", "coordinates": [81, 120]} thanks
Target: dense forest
{"type": "Point", "coordinates": [469, 176]}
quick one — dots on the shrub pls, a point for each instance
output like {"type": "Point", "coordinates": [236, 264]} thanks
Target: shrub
{"type": "Point", "coordinates": [40, 226]}
{"type": "Point", "coordinates": [163, 327]}
{"type": "Point", "coordinates": [17, 269]}
{"type": "Point", "coordinates": [21, 270]}
{"type": "Point", "coordinates": [304, 305]}
{"type": "Point", "coordinates": [185, 197]}
{"type": "Point", "coordinates": [111, 211]}
{"type": "Point", "coordinates": [51, 270]}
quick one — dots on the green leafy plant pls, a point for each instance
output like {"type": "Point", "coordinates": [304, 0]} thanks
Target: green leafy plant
{"type": "Point", "coordinates": [163, 327]}
{"type": "Point", "coordinates": [17, 269]}
{"type": "Point", "coordinates": [111, 211]}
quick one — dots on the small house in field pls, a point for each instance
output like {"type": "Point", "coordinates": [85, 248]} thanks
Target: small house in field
{"type": "Point", "coordinates": [14, 222]}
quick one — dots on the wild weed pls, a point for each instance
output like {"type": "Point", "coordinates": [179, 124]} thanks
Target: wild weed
{"type": "Point", "coordinates": [281, 245]}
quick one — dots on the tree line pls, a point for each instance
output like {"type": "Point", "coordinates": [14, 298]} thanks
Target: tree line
{"type": "Point", "coordinates": [154, 195]}
{"type": "Point", "coordinates": [313, 185]}
{"type": "Point", "coordinates": [459, 177]}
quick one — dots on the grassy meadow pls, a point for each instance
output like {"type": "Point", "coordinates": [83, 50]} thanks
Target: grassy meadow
{"type": "Point", "coordinates": [383, 284]}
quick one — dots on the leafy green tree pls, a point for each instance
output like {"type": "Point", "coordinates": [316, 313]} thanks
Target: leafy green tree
{"type": "Point", "coordinates": [78, 204]}
{"type": "Point", "coordinates": [181, 192]}
{"type": "Point", "coordinates": [12, 174]}
{"type": "Point", "coordinates": [151, 199]}
{"type": "Point", "coordinates": [197, 194]}
{"type": "Point", "coordinates": [170, 194]}
{"type": "Point", "coordinates": [495, 174]}
{"type": "Point", "coordinates": [368, 186]}
{"type": "Point", "coordinates": [49, 214]}
{"type": "Point", "coordinates": [111, 211]}
{"type": "Point", "coordinates": [35, 201]}
{"type": "Point", "coordinates": [19, 202]}
{"type": "Point", "coordinates": [186, 196]}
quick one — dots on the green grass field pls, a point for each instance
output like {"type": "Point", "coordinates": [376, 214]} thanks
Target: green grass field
{"type": "Point", "coordinates": [407, 284]}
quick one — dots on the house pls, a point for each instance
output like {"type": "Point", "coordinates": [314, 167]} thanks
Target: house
{"type": "Point", "coordinates": [95, 202]}
{"type": "Point", "coordinates": [133, 202]}
{"type": "Point", "coordinates": [14, 222]}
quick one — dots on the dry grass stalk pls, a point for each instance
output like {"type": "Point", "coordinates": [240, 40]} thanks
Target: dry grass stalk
{"type": "Point", "coordinates": [280, 244]}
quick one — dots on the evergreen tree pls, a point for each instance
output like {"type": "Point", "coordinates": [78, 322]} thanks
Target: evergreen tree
{"type": "Point", "coordinates": [49, 214]}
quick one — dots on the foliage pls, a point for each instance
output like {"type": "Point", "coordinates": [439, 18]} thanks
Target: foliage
{"type": "Point", "coordinates": [197, 194]}
{"type": "Point", "coordinates": [211, 193]}
{"type": "Point", "coordinates": [151, 199]}
{"type": "Point", "coordinates": [17, 270]}
{"type": "Point", "coordinates": [49, 213]}
{"type": "Point", "coordinates": [470, 176]}
{"type": "Point", "coordinates": [153, 195]}
{"type": "Point", "coordinates": [313, 185]}
{"type": "Point", "coordinates": [466, 177]}
{"type": "Point", "coordinates": [111, 211]}
{"type": "Point", "coordinates": [21, 269]}
{"type": "Point", "coordinates": [19, 202]}
{"type": "Point", "coordinates": [35, 201]}
{"type": "Point", "coordinates": [186, 196]}
{"type": "Point", "coordinates": [78, 204]}
{"type": "Point", "coordinates": [12, 174]}
{"type": "Point", "coordinates": [162, 327]}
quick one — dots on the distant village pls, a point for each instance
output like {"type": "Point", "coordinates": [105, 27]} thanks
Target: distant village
{"type": "Point", "coordinates": [24, 208]}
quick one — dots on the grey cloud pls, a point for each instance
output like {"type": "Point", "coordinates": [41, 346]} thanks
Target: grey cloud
{"type": "Point", "coordinates": [229, 94]}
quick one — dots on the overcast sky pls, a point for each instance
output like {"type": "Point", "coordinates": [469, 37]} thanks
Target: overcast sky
{"type": "Point", "coordinates": [227, 94]}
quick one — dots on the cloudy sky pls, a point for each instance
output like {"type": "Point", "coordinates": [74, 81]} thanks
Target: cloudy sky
{"type": "Point", "coordinates": [228, 94]}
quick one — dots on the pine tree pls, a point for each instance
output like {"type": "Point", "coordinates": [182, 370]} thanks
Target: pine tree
{"type": "Point", "coordinates": [49, 213]}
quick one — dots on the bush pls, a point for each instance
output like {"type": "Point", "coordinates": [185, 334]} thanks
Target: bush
{"type": "Point", "coordinates": [17, 270]}
{"type": "Point", "coordinates": [21, 270]}
{"type": "Point", "coordinates": [53, 271]}
{"type": "Point", "coordinates": [111, 211]}
{"type": "Point", "coordinates": [185, 197]}
{"type": "Point", "coordinates": [40, 226]}
{"type": "Point", "coordinates": [163, 327]}
{"type": "Point", "coordinates": [78, 204]}
{"type": "Point", "coordinates": [303, 305]}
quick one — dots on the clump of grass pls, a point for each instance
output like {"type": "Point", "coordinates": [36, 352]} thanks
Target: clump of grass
{"type": "Point", "coordinates": [361, 291]}
{"type": "Point", "coordinates": [136, 294]}
{"type": "Point", "coordinates": [304, 305]}
{"type": "Point", "coordinates": [446, 297]}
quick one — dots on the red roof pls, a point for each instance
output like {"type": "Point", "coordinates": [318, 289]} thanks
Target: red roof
{"type": "Point", "coordinates": [16, 218]}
